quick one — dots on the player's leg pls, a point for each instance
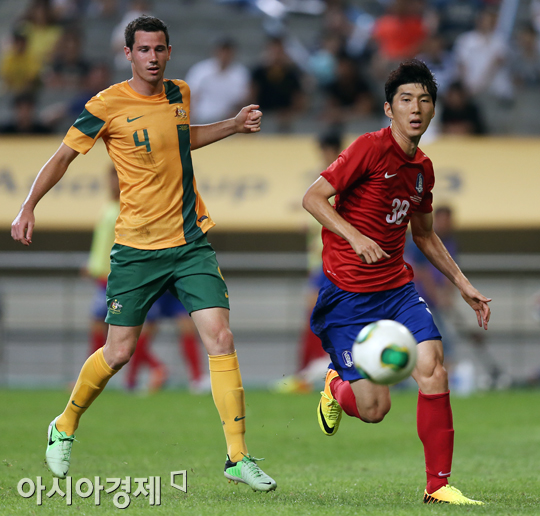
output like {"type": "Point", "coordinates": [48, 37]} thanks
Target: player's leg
{"type": "Point", "coordinates": [337, 319]}
{"type": "Point", "coordinates": [201, 289]}
{"type": "Point", "coordinates": [98, 369]}
{"type": "Point", "coordinates": [434, 413]}
{"type": "Point", "coordinates": [228, 394]}
{"type": "Point", "coordinates": [226, 381]}
{"type": "Point", "coordinates": [435, 424]}
{"type": "Point", "coordinates": [132, 288]}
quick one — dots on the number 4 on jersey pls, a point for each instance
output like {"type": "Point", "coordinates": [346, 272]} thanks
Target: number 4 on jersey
{"type": "Point", "coordinates": [144, 143]}
{"type": "Point", "coordinates": [399, 212]}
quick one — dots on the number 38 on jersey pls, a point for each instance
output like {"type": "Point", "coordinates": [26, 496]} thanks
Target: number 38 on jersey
{"type": "Point", "coordinates": [399, 211]}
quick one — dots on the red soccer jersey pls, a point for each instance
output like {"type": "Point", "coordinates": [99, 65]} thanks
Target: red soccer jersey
{"type": "Point", "coordinates": [378, 188]}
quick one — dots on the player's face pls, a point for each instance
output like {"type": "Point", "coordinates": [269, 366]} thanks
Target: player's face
{"type": "Point", "coordinates": [411, 111]}
{"type": "Point", "coordinates": [149, 56]}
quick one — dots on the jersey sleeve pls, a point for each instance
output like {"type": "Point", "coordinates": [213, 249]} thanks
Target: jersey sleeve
{"type": "Point", "coordinates": [426, 206]}
{"type": "Point", "coordinates": [352, 164]}
{"type": "Point", "coordinates": [90, 125]}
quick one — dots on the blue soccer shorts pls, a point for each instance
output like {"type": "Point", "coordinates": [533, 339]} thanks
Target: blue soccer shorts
{"type": "Point", "coordinates": [166, 307]}
{"type": "Point", "coordinates": [339, 316]}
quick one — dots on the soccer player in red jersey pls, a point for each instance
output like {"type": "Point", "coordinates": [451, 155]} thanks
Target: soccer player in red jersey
{"type": "Point", "coordinates": [383, 181]}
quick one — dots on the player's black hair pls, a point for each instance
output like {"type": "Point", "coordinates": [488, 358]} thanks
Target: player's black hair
{"type": "Point", "coordinates": [410, 72]}
{"type": "Point", "coordinates": [146, 24]}
{"type": "Point", "coordinates": [447, 210]}
{"type": "Point", "coordinates": [331, 138]}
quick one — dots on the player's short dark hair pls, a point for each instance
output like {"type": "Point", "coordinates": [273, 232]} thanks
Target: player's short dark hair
{"type": "Point", "coordinates": [412, 71]}
{"type": "Point", "coordinates": [444, 210]}
{"type": "Point", "coordinates": [331, 138]}
{"type": "Point", "coordinates": [146, 24]}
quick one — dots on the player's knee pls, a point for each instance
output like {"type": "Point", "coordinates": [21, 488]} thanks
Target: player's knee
{"type": "Point", "coordinates": [376, 412]}
{"type": "Point", "coordinates": [118, 356]}
{"type": "Point", "coordinates": [223, 342]}
{"type": "Point", "coordinates": [433, 379]}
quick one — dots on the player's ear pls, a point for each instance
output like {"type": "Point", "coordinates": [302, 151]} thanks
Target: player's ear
{"type": "Point", "coordinates": [127, 52]}
{"type": "Point", "coordinates": [169, 49]}
{"type": "Point", "coordinates": [388, 110]}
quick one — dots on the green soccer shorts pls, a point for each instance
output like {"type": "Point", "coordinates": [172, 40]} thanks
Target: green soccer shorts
{"type": "Point", "coordinates": [139, 277]}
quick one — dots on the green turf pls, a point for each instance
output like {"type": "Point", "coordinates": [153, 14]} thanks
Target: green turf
{"type": "Point", "coordinates": [364, 469]}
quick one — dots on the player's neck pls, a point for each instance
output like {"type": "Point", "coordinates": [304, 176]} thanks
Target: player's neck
{"type": "Point", "coordinates": [145, 88]}
{"type": "Point", "coordinates": [408, 145]}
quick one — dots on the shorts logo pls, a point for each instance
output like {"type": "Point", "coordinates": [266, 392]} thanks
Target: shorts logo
{"type": "Point", "coordinates": [115, 307]}
{"type": "Point", "coordinates": [419, 183]}
{"type": "Point", "coordinates": [347, 358]}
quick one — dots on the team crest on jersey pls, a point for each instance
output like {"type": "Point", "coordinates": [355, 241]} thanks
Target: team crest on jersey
{"type": "Point", "coordinates": [347, 358]}
{"type": "Point", "coordinates": [180, 113]}
{"type": "Point", "coordinates": [115, 307]}
{"type": "Point", "coordinates": [419, 183]}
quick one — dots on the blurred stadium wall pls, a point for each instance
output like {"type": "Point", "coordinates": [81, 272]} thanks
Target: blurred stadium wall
{"type": "Point", "coordinates": [254, 187]}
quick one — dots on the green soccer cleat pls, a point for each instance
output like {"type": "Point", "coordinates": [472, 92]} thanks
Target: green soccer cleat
{"type": "Point", "coordinates": [58, 454]}
{"type": "Point", "coordinates": [451, 495]}
{"type": "Point", "coordinates": [329, 411]}
{"type": "Point", "coordinates": [248, 472]}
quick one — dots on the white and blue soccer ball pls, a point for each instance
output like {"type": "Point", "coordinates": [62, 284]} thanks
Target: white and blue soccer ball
{"type": "Point", "coordinates": [384, 352]}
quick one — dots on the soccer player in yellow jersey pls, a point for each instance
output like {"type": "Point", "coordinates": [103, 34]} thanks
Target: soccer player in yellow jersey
{"type": "Point", "coordinates": [160, 239]}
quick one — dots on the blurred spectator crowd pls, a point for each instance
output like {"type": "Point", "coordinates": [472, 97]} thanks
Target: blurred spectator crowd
{"type": "Point", "coordinates": [474, 48]}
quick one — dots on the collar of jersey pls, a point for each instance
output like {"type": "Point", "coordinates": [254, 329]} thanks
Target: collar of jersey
{"type": "Point", "coordinates": [132, 93]}
{"type": "Point", "coordinates": [415, 159]}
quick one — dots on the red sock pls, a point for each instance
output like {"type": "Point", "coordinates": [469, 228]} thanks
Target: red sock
{"type": "Point", "coordinates": [190, 348]}
{"type": "Point", "coordinates": [135, 363]}
{"type": "Point", "coordinates": [343, 393]}
{"type": "Point", "coordinates": [97, 340]}
{"type": "Point", "coordinates": [143, 347]}
{"type": "Point", "coordinates": [311, 348]}
{"type": "Point", "coordinates": [436, 431]}
{"type": "Point", "coordinates": [140, 357]}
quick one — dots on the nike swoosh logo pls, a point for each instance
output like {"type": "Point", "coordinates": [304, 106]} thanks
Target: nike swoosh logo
{"type": "Point", "coordinates": [50, 442]}
{"type": "Point", "coordinates": [129, 120]}
{"type": "Point", "coordinates": [386, 176]}
{"type": "Point", "coordinates": [77, 405]}
{"type": "Point", "coordinates": [441, 474]}
{"type": "Point", "coordinates": [239, 418]}
{"type": "Point", "coordinates": [326, 427]}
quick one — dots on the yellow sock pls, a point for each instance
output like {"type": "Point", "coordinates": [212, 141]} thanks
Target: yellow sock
{"type": "Point", "coordinates": [228, 396]}
{"type": "Point", "coordinates": [94, 375]}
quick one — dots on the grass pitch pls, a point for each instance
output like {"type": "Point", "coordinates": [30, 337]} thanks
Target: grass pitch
{"type": "Point", "coordinates": [364, 469]}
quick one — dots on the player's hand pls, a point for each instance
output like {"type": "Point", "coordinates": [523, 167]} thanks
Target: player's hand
{"type": "Point", "coordinates": [479, 304]}
{"type": "Point", "coordinates": [368, 250]}
{"type": "Point", "coordinates": [23, 227]}
{"type": "Point", "coordinates": [248, 120]}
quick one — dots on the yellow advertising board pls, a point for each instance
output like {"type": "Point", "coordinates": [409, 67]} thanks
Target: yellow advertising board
{"type": "Point", "coordinates": [257, 182]}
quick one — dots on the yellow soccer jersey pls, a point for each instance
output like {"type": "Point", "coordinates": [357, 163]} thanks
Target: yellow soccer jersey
{"type": "Point", "coordinates": [148, 140]}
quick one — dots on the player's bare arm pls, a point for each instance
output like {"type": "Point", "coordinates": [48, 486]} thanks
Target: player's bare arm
{"type": "Point", "coordinates": [248, 120]}
{"type": "Point", "coordinates": [430, 244]}
{"type": "Point", "coordinates": [23, 225]}
{"type": "Point", "coordinates": [315, 201]}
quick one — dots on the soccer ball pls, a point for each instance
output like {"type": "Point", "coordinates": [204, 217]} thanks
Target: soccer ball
{"type": "Point", "coordinates": [384, 352]}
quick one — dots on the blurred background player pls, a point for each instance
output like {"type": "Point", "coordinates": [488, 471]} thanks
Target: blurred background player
{"type": "Point", "coordinates": [312, 358]}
